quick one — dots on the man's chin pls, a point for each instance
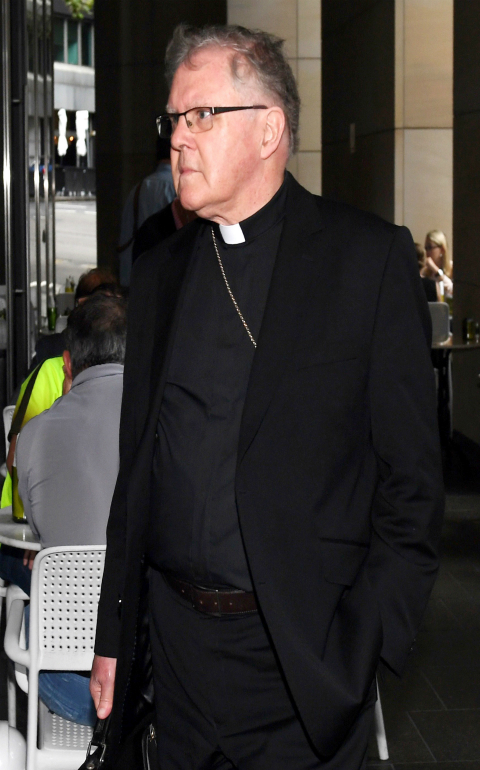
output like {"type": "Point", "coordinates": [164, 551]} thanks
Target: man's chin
{"type": "Point", "coordinates": [187, 197]}
{"type": "Point", "coordinates": [193, 203]}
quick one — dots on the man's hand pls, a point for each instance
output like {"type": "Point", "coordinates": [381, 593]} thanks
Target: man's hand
{"type": "Point", "coordinates": [102, 681]}
{"type": "Point", "coordinates": [29, 558]}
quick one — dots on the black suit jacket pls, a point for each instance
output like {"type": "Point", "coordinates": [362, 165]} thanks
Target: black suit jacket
{"type": "Point", "coordinates": [338, 481]}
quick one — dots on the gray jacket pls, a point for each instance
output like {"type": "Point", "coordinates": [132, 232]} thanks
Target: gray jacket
{"type": "Point", "coordinates": [67, 460]}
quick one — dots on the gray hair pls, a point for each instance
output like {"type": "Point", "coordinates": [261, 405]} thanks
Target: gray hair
{"type": "Point", "coordinates": [96, 332]}
{"type": "Point", "coordinates": [263, 53]}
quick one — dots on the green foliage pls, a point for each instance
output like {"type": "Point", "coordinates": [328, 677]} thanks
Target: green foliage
{"type": "Point", "coordinates": [80, 7]}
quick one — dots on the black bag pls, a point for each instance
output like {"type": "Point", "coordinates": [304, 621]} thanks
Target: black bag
{"type": "Point", "coordinates": [139, 750]}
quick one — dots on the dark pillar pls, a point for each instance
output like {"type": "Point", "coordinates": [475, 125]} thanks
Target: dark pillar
{"type": "Point", "coordinates": [358, 89]}
{"type": "Point", "coordinates": [466, 158]}
{"type": "Point", "coordinates": [466, 208]}
{"type": "Point", "coordinates": [130, 42]}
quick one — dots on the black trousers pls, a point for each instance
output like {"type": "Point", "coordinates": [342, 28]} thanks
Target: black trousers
{"type": "Point", "coordinates": [221, 699]}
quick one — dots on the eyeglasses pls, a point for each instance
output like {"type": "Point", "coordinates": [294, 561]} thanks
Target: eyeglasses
{"type": "Point", "coordinates": [432, 246]}
{"type": "Point", "coordinates": [198, 119]}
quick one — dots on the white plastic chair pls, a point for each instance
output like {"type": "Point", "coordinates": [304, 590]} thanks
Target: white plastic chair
{"type": "Point", "coordinates": [3, 593]}
{"type": "Point", "coordinates": [7, 424]}
{"type": "Point", "coordinates": [63, 615]}
{"type": "Point", "coordinates": [16, 672]}
{"type": "Point", "coordinates": [440, 315]}
{"type": "Point", "coordinates": [379, 726]}
{"type": "Point", "coordinates": [12, 748]}
{"type": "Point", "coordinates": [61, 323]}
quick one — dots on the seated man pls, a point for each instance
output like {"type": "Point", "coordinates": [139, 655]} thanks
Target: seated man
{"type": "Point", "coordinates": [47, 378]}
{"type": "Point", "coordinates": [47, 374]}
{"type": "Point", "coordinates": [38, 392]}
{"type": "Point", "coordinates": [67, 460]}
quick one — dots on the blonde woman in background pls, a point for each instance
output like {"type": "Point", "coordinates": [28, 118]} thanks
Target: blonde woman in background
{"type": "Point", "coordinates": [438, 265]}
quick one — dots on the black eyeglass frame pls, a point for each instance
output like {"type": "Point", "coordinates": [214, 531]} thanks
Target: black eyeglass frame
{"type": "Point", "coordinates": [212, 110]}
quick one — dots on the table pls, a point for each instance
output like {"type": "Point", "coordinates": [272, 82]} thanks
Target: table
{"type": "Point", "coordinates": [16, 533]}
{"type": "Point", "coordinates": [441, 352]}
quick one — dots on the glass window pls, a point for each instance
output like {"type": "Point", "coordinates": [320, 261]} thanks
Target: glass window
{"type": "Point", "coordinates": [87, 45]}
{"type": "Point", "coordinates": [58, 43]}
{"type": "Point", "coordinates": [72, 42]}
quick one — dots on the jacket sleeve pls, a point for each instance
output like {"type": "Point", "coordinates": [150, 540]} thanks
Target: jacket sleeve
{"type": "Point", "coordinates": [108, 620]}
{"type": "Point", "coordinates": [409, 502]}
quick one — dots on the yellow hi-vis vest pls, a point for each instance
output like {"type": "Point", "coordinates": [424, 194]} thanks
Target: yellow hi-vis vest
{"type": "Point", "coordinates": [46, 390]}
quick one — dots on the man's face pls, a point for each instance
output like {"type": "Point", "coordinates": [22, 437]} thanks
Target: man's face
{"type": "Point", "coordinates": [216, 173]}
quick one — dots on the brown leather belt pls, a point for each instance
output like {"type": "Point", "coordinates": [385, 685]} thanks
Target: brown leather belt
{"type": "Point", "coordinates": [212, 601]}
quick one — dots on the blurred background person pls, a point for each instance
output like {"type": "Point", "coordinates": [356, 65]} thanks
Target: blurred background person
{"type": "Point", "coordinates": [159, 226]}
{"type": "Point", "coordinates": [150, 195]}
{"type": "Point", "coordinates": [429, 285]}
{"type": "Point", "coordinates": [438, 265]}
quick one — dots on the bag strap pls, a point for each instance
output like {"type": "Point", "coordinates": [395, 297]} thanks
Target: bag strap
{"type": "Point", "coordinates": [136, 206]}
{"type": "Point", "coordinates": [97, 746]}
{"type": "Point", "coordinates": [18, 419]}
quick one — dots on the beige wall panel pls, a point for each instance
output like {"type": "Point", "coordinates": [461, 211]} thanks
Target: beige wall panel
{"type": "Point", "coordinates": [310, 171]}
{"type": "Point", "coordinates": [399, 62]}
{"type": "Point", "coordinates": [428, 41]}
{"type": "Point", "coordinates": [399, 176]}
{"type": "Point", "coordinates": [309, 28]}
{"type": "Point", "coordinates": [309, 86]}
{"type": "Point", "coordinates": [276, 16]}
{"type": "Point", "coordinates": [428, 175]}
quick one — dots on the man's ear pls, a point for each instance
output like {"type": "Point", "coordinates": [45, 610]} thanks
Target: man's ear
{"type": "Point", "coordinates": [274, 129]}
{"type": "Point", "coordinates": [67, 363]}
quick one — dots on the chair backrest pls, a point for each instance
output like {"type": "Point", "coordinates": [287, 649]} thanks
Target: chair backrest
{"type": "Point", "coordinates": [440, 315]}
{"type": "Point", "coordinates": [61, 323]}
{"type": "Point", "coordinates": [7, 423]}
{"type": "Point", "coordinates": [63, 613]}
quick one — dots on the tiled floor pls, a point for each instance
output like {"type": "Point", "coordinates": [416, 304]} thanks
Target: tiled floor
{"type": "Point", "coordinates": [432, 715]}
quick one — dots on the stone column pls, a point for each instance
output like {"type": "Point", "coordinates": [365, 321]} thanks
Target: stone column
{"type": "Point", "coordinates": [298, 22]}
{"type": "Point", "coordinates": [424, 116]}
{"type": "Point", "coordinates": [466, 211]}
{"type": "Point", "coordinates": [358, 83]}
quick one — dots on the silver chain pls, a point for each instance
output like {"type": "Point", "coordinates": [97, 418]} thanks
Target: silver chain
{"type": "Point", "coordinates": [231, 293]}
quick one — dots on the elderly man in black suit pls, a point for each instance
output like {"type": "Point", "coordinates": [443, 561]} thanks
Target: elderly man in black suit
{"type": "Point", "coordinates": [280, 470]}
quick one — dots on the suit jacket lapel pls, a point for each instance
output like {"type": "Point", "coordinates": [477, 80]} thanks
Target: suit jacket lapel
{"type": "Point", "coordinates": [292, 276]}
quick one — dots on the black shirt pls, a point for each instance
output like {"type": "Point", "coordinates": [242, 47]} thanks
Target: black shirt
{"type": "Point", "coordinates": [195, 531]}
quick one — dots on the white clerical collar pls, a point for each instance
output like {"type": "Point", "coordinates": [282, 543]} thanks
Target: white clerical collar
{"type": "Point", "coordinates": [232, 234]}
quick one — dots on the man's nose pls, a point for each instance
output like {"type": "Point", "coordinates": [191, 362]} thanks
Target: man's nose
{"type": "Point", "coordinates": [181, 134]}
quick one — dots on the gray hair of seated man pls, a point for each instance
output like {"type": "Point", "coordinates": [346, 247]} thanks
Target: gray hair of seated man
{"type": "Point", "coordinates": [262, 54]}
{"type": "Point", "coordinates": [96, 332]}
